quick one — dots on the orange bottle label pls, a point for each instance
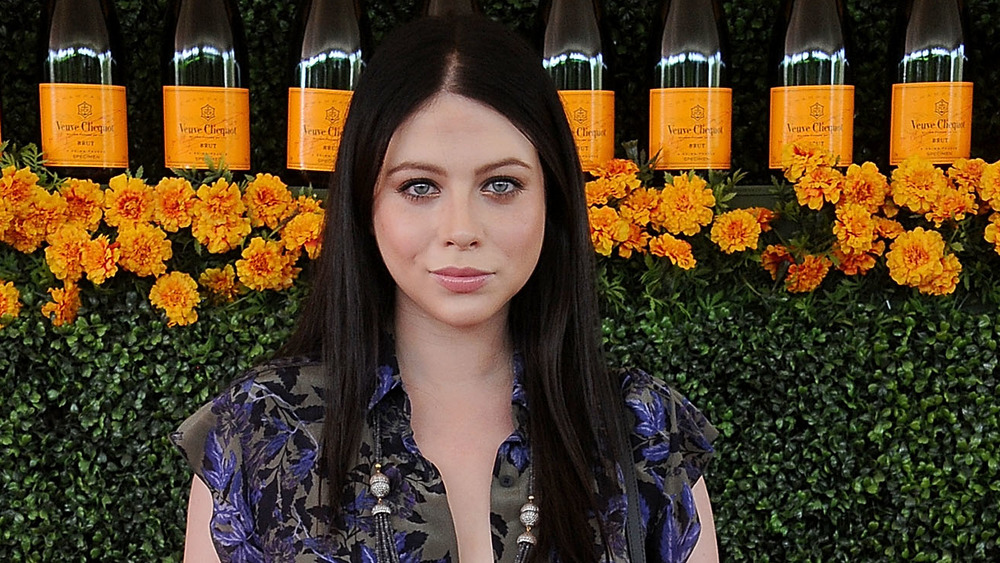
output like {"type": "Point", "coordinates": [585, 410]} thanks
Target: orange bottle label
{"type": "Point", "coordinates": [821, 117]}
{"type": "Point", "coordinates": [84, 125]}
{"type": "Point", "coordinates": [315, 122]}
{"type": "Point", "coordinates": [691, 128]}
{"type": "Point", "coordinates": [200, 120]}
{"type": "Point", "coordinates": [932, 120]}
{"type": "Point", "coordinates": [591, 115]}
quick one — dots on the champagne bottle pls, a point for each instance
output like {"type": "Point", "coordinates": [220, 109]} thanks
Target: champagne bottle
{"type": "Point", "coordinates": [81, 96]}
{"type": "Point", "coordinates": [450, 7]}
{"type": "Point", "coordinates": [206, 103]}
{"type": "Point", "coordinates": [573, 54]}
{"type": "Point", "coordinates": [327, 62]}
{"type": "Point", "coordinates": [690, 105]}
{"type": "Point", "coordinates": [931, 93]}
{"type": "Point", "coordinates": [812, 101]}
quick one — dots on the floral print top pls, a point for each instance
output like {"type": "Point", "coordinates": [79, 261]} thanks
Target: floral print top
{"type": "Point", "coordinates": [257, 445]}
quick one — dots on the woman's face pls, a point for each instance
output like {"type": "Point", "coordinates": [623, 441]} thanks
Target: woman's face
{"type": "Point", "coordinates": [459, 213]}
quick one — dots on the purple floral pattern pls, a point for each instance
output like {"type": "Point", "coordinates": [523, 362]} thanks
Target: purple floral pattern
{"type": "Point", "coordinates": [256, 447]}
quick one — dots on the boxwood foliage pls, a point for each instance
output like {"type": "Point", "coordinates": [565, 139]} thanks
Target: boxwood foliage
{"type": "Point", "coordinates": [631, 29]}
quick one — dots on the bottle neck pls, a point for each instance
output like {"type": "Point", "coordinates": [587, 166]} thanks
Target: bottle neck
{"type": "Point", "coordinates": [79, 43]}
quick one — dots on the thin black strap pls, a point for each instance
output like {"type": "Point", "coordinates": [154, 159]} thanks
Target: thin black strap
{"type": "Point", "coordinates": [633, 527]}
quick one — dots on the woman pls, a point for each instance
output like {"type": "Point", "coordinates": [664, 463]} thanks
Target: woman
{"type": "Point", "coordinates": [451, 343]}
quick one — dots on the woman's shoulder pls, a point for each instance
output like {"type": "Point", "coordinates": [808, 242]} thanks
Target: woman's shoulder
{"type": "Point", "coordinates": [285, 380]}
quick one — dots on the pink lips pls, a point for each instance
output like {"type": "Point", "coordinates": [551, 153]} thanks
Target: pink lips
{"type": "Point", "coordinates": [461, 280]}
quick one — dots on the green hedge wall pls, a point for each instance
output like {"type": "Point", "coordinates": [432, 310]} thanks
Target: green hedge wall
{"type": "Point", "coordinates": [268, 25]}
{"type": "Point", "coordinates": [855, 425]}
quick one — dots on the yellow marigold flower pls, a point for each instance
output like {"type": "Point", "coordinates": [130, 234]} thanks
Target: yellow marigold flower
{"type": "Point", "coordinates": [854, 228]}
{"type": "Point", "coordinates": [992, 232]}
{"type": "Point", "coordinates": [221, 283]}
{"type": "Point", "coordinates": [798, 160]}
{"type": "Point", "coordinates": [64, 305]}
{"type": "Point", "coordinates": [127, 201]}
{"type": "Point", "coordinates": [598, 192]}
{"type": "Point", "coordinates": [64, 255]}
{"type": "Point", "coordinates": [606, 229]}
{"type": "Point", "coordinates": [854, 264]}
{"type": "Point", "coordinates": [10, 301]}
{"type": "Point", "coordinates": [736, 230]}
{"type": "Point", "coordinates": [217, 219]}
{"type": "Point", "coordinates": [173, 199]}
{"type": "Point", "coordinates": [916, 184]}
{"type": "Point", "coordinates": [887, 228]}
{"type": "Point", "coordinates": [304, 231]}
{"type": "Point", "coordinates": [268, 201]}
{"type": "Point", "coordinates": [307, 204]}
{"type": "Point", "coordinates": [945, 282]}
{"type": "Point", "coordinates": [865, 185]}
{"type": "Point", "coordinates": [678, 251]}
{"type": "Point", "coordinates": [915, 257]}
{"type": "Point", "coordinates": [6, 218]}
{"type": "Point", "coordinates": [989, 185]}
{"type": "Point", "coordinates": [177, 294]}
{"type": "Point", "coordinates": [952, 204]}
{"type": "Point", "coordinates": [808, 274]}
{"type": "Point", "coordinates": [636, 241]}
{"type": "Point", "coordinates": [264, 266]}
{"type": "Point", "coordinates": [84, 203]}
{"type": "Point", "coordinates": [819, 185]}
{"type": "Point", "coordinates": [100, 259]}
{"type": "Point", "coordinates": [638, 206]}
{"type": "Point", "coordinates": [966, 174]}
{"type": "Point", "coordinates": [764, 217]}
{"type": "Point", "coordinates": [35, 219]}
{"type": "Point", "coordinates": [144, 249]}
{"type": "Point", "coordinates": [617, 167]}
{"type": "Point", "coordinates": [685, 206]}
{"type": "Point", "coordinates": [774, 257]}
{"type": "Point", "coordinates": [17, 185]}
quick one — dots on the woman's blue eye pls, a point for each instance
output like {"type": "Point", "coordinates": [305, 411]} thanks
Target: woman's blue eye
{"type": "Point", "coordinates": [503, 186]}
{"type": "Point", "coordinates": [418, 189]}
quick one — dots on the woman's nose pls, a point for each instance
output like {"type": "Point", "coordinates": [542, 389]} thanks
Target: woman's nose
{"type": "Point", "coordinates": [460, 225]}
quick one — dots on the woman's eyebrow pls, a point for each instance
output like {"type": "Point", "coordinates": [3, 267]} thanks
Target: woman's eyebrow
{"type": "Point", "coordinates": [438, 170]}
{"type": "Point", "coordinates": [502, 163]}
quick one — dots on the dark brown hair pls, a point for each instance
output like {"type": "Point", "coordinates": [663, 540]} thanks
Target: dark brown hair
{"type": "Point", "coordinates": [554, 321]}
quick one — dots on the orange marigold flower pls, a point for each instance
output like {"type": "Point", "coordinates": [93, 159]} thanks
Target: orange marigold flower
{"type": "Point", "coordinates": [84, 203]}
{"type": "Point", "coordinates": [678, 251]}
{"type": "Point", "coordinates": [268, 201]}
{"type": "Point", "coordinates": [64, 305]}
{"type": "Point", "coordinates": [638, 206]}
{"type": "Point", "coordinates": [100, 259]}
{"type": "Point", "coordinates": [764, 217]}
{"type": "Point", "coordinates": [307, 204]}
{"type": "Point", "coordinates": [598, 192]}
{"type": "Point", "coordinates": [217, 219]}
{"type": "Point", "coordinates": [606, 229]}
{"type": "Point", "coordinates": [774, 257]}
{"type": "Point", "coordinates": [177, 294]}
{"type": "Point", "coordinates": [64, 255]}
{"type": "Point", "coordinates": [636, 241]}
{"type": "Point", "coordinates": [127, 201]}
{"type": "Point", "coordinates": [10, 301]}
{"type": "Point", "coordinates": [854, 228]}
{"type": "Point", "coordinates": [798, 160]}
{"type": "Point", "coordinates": [966, 174]}
{"type": "Point", "coordinates": [915, 257]}
{"type": "Point", "coordinates": [916, 184]}
{"type": "Point", "coordinates": [945, 282]}
{"type": "Point", "coordinates": [736, 230]}
{"type": "Point", "coordinates": [264, 266]}
{"type": "Point", "coordinates": [989, 185]}
{"type": "Point", "coordinates": [992, 232]}
{"type": "Point", "coordinates": [304, 231]}
{"type": "Point", "coordinates": [808, 274]}
{"type": "Point", "coordinates": [6, 218]}
{"type": "Point", "coordinates": [221, 283]}
{"type": "Point", "coordinates": [144, 249]}
{"type": "Point", "coordinates": [865, 185]}
{"type": "Point", "coordinates": [35, 219]}
{"type": "Point", "coordinates": [818, 185]}
{"type": "Point", "coordinates": [854, 264]}
{"type": "Point", "coordinates": [617, 167]}
{"type": "Point", "coordinates": [887, 228]}
{"type": "Point", "coordinates": [17, 185]}
{"type": "Point", "coordinates": [685, 205]}
{"type": "Point", "coordinates": [173, 199]}
{"type": "Point", "coordinates": [952, 204]}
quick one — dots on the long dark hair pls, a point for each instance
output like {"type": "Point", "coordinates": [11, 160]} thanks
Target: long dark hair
{"type": "Point", "coordinates": [575, 405]}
